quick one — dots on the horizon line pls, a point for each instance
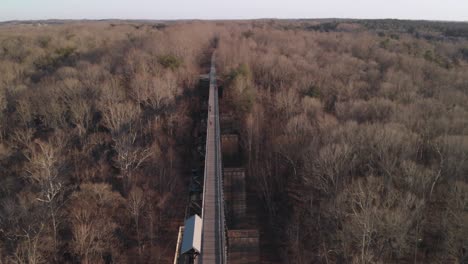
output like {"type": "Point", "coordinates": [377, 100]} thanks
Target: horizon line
{"type": "Point", "coordinates": [226, 19]}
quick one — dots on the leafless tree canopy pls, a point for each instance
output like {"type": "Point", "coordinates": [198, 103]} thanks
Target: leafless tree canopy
{"type": "Point", "coordinates": [355, 135]}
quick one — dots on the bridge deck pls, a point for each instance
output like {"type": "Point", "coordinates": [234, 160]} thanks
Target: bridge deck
{"type": "Point", "coordinates": [213, 249]}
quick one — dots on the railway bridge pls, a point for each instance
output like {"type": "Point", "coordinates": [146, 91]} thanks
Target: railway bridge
{"type": "Point", "coordinates": [203, 238]}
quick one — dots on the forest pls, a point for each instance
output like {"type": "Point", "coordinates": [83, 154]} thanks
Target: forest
{"type": "Point", "coordinates": [355, 134]}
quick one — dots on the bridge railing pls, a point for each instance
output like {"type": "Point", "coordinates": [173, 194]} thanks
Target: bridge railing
{"type": "Point", "coordinates": [219, 160]}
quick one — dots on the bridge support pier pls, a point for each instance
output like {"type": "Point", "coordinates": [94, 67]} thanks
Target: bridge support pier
{"type": "Point", "coordinates": [243, 246]}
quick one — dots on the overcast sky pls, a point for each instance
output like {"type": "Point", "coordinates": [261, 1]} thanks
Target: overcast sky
{"type": "Point", "coordinates": [233, 9]}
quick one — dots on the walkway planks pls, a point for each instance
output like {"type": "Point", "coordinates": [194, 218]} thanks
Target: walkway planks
{"type": "Point", "coordinates": [213, 249]}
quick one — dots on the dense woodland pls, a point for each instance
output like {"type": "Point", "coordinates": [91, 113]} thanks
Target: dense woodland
{"type": "Point", "coordinates": [95, 121]}
{"type": "Point", "coordinates": [355, 134]}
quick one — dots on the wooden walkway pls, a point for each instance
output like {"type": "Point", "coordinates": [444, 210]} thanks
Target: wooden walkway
{"type": "Point", "coordinates": [213, 244]}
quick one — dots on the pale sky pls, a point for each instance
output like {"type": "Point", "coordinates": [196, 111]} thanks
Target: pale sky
{"type": "Point", "coordinates": [454, 10]}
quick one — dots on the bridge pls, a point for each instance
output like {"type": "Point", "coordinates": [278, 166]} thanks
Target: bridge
{"type": "Point", "coordinates": [213, 241]}
{"type": "Point", "coordinates": [204, 238]}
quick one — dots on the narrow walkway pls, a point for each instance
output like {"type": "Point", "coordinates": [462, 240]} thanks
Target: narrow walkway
{"type": "Point", "coordinates": [213, 248]}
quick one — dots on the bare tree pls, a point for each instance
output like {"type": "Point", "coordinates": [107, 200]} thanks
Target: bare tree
{"type": "Point", "coordinates": [81, 114]}
{"type": "Point", "coordinates": [379, 221]}
{"type": "Point", "coordinates": [24, 111]}
{"type": "Point", "coordinates": [457, 217]}
{"type": "Point", "coordinates": [28, 252]}
{"type": "Point", "coordinates": [92, 215]}
{"type": "Point", "coordinates": [329, 167]}
{"type": "Point", "coordinates": [287, 101]}
{"type": "Point", "coordinates": [43, 169]}
{"type": "Point", "coordinates": [116, 115]}
{"type": "Point", "coordinates": [155, 92]}
{"type": "Point", "coordinates": [130, 156]}
{"type": "Point", "coordinates": [135, 203]}
{"type": "Point", "coordinates": [121, 119]}
{"type": "Point", "coordinates": [23, 137]}
{"type": "Point", "coordinates": [25, 222]}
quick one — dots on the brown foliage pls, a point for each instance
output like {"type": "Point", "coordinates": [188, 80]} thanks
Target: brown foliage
{"type": "Point", "coordinates": [368, 129]}
{"type": "Point", "coordinates": [355, 136]}
{"type": "Point", "coordinates": [93, 216]}
{"type": "Point", "coordinates": [77, 107]}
